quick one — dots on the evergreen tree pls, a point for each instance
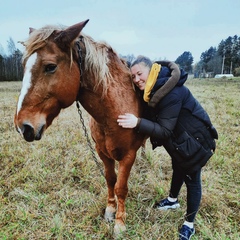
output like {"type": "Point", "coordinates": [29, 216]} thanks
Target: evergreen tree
{"type": "Point", "coordinates": [185, 61]}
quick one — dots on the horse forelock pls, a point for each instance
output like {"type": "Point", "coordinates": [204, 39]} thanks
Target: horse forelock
{"type": "Point", "coordinates": [38, 38]}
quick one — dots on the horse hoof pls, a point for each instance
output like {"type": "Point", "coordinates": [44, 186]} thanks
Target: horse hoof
{"type": "Point", "coordinates": [109, 214]}
{"type": "Point", "coordinates": [119, 230]}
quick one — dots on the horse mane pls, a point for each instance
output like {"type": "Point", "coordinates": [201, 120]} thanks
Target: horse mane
{"type": "Point", "coordinates": [96, 59]}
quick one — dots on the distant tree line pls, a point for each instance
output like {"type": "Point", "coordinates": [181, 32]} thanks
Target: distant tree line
{"type": "Point", "coordinates": [216, 60]}
{"type": "Point", "coordinates": [225, 59]}
{"type": "Point", "coordinates": [10, 65]}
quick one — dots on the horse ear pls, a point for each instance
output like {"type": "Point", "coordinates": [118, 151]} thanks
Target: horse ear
{"type": "Point", "coordinates": [31, 30]}
{"type": "Point", "coordinates": [68, 35]}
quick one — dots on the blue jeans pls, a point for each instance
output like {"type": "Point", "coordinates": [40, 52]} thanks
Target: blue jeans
{"type": "Point", "coordinates": [194, 189]}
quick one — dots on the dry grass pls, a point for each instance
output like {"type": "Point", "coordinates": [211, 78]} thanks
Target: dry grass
{"type": "Point", "coordinates": [52, 189]}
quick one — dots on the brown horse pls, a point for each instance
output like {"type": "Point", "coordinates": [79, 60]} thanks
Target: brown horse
{"type": "Point", "coordinates": [62, 65]}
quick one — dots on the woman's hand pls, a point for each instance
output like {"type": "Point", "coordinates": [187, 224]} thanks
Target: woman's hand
{"type": "Point", "coordinates": [127, 120]}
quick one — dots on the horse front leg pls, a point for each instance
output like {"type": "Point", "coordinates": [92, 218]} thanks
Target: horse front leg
{"type": "Point", "coordinates": [111, 178]}
{"type": "Point", "coordinates": [121, 191]}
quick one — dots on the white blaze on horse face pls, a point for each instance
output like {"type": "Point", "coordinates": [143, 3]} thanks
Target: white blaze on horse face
{"type": "Point", "coordinates": [26, 80]}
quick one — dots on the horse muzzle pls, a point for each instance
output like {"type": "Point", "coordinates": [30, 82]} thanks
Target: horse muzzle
{"type": "Point", "coordinates": [29, 133]}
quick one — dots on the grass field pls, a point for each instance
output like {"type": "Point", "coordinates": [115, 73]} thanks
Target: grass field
{"type": "Point", "coordinates": [52, 189]}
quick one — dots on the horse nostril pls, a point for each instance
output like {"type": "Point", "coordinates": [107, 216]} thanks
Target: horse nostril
{"type": "Point", "coordinates": [40, 132]}
{"type": "Point", "coordinates": [28, 132]}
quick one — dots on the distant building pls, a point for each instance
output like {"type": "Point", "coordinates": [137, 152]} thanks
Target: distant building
{"type": "Point", "coordinates": [223, 75]}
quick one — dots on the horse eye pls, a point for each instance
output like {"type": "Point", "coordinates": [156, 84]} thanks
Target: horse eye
{"type": "Point", "coordinates": [50, 68]}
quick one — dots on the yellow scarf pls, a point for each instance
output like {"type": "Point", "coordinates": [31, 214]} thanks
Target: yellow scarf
{"type": "Point", "coordinates": [152, 78]}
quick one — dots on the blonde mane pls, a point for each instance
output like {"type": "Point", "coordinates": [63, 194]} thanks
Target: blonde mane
{"type": "Point", "coordinates": [96, 59]}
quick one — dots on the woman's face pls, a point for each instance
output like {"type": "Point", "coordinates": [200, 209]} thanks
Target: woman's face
{"type": "Point", "coordinates": [140, 74]}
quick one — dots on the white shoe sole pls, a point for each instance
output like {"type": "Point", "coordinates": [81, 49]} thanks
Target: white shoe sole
{"type": "Point", "coordinates": [169, 207]}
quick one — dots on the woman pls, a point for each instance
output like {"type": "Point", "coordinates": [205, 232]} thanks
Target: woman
{"type": "Point", "coordinates": [176, 121]}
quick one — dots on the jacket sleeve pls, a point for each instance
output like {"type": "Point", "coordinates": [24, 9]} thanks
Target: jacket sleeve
{"type": "Point", "coordinates": [167, 112]}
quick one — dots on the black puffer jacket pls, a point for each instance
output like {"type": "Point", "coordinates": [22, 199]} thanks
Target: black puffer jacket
{"type": "Point", "coordinates": [181, 125]}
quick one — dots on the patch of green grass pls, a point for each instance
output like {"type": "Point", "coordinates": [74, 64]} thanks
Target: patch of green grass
{"type": "Point", "coordinates": [52, 189]}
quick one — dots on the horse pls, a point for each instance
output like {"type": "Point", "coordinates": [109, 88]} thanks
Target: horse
{"type": "Point", "coordinates": [63, 65]}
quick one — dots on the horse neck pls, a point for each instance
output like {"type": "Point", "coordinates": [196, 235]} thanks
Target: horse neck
{"type": "Point", "coordinates": [93, 100]}
{"type": "Point", "coordinates": [119, 99]}
{"type": "Point", "coordinates": [90, 101]}
{"type": "Point", "coordinates": [119, 96]}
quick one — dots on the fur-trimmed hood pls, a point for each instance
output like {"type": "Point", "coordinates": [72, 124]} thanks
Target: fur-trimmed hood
{"type": "Point", "coordinates": [164, 76]}
{"type": "Point", "coordinates": [169, 76]}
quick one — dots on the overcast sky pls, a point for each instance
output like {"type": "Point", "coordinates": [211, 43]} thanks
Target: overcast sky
{"type": "Point", "coordinates": [159, 29]}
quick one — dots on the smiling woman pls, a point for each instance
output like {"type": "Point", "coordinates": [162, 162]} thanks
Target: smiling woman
{"type": "Point", "coordinates": [181, 125]}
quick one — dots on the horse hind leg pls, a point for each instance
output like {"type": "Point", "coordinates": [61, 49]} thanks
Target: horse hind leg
{"type": "Point", "coordinates": [111, 178]}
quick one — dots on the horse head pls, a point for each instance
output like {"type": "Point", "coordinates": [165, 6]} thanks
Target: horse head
{"type": "Point", "coordinates": [51, 78]}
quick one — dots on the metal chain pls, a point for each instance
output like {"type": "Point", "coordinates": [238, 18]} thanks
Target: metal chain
{"type": "Point", "coordinates": [88, 139]}
{"type": "Point", "coordinates": [80, 112]}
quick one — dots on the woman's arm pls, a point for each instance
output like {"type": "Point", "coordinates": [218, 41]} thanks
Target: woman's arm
{"type": "Point", "coordinates": [166, 119]}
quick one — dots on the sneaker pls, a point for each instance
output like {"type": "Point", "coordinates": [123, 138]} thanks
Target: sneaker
{"type": "Point", "coordinates": [186, 233]}
{"type": "Point", "coordinates": [166, 204]}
